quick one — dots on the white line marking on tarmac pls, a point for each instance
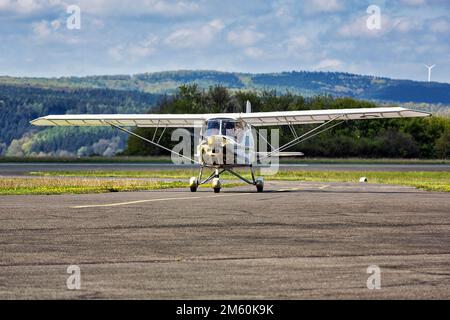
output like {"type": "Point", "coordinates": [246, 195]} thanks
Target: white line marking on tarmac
{"type": "Point", "coordinates": [289, 189]}
{"type": "Point", "coordinates": [184, 198]}
{"type": "Point", "coordinates": [297, 189]}
{"type": "Point", "coordinates": [155, 200]}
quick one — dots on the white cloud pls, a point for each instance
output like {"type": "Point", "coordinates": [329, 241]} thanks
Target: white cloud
{"type": "Point", "coordinates": [297, 43]}
{"type": "Point", "coordinates": [44, 28]}
{"type": "Point", "coordinates": [358, 27]}
{"type": "Point", "coordinates": [116, 52]}
{"type": "Point", "coordinates": [421, 3]}
{"type": "Point", "coordinates": [53, 33]}
{"type": "Point", "coordinates": [275, 35]}
{"type": "Point", "coordinates": [144, 48]}
{"type": "Point", "coordinates": [254, 52]}
{"type": "Point", "coordinates": [168, 8]}
{"type": "Point", "coordinates": [21, 6]}
{"type": "Point", "coordinates": [328, 64]}
{"type": "Point", "coordinates": [282, 11]}
{"type": "Point", "coordinates": [25, 7]}
{"type": "Point", "coordinates": [195, 37]}
{"type": "Point", "coordinates": [135, 51]}
{"type": "Point", "coordinates": [440, 25]}
{"type": "Point", "coordinates": [413, 2]}
{"type": "Point", "coordinates": [313, 6]}
{"type": "Point", "coordinates": [55, 24]}
{"type": "Point", "coordinates": [407, 25]}
{"type": "Point", "coordinates": [244, 38]}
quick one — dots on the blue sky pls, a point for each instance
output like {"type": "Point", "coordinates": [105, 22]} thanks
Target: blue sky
{"type": "Point", "coordinates": [136, 36]}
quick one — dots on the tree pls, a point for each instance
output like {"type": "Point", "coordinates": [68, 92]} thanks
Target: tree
{"type": "Point", "coordinates": [443, 145]}
{"type": "Point", "coordinates": [375, 138]}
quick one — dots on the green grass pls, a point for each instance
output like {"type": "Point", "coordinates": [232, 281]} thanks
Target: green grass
{"type": "Point", "coordinates": [430, 181]}
{"type": "Point", "coordinates": [52, 185]}
{"type": "Point", "coordinates": [154, 174]}
{"type": "Point", "coordinates": [74, 185]}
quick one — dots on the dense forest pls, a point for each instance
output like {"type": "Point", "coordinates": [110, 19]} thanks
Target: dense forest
{"type": "Point", "coordinates": [391, 138]}
{"type": "Point", "coordinates": [21, 104]}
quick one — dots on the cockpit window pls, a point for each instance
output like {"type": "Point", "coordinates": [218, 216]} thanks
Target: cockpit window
{"type": "Point", "coordinates": [228, 127]}
{"type": "Point", "coordinates": [213, 127]}
{"type": "Point", "coordinates": [225, 127]}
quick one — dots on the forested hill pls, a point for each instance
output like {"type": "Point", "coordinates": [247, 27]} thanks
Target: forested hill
{"type": "Point", "coordinates": [19, 104]}
{"type": "Point", "coordinates": [375, 138]}
{"type": "Point", "coordinates": [23, 99]}
{"type": "Point", "coordinates": [304, 83]}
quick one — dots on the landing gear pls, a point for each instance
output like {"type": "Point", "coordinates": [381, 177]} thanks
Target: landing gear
{"type": "Point", "coordinates": [216, 185]}
{"type": "Point", "coordinates": [193, 184]}
{"type": "Point", "coordinates": [214, 178]}
{"type": "Point", "coordinates": [259, 184]}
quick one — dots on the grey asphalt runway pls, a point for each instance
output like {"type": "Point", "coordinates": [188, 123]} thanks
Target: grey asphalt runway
{"type": "Point", "coordinates": [12, 169]}
{"type": "Point", "coordinates": [295, 241]}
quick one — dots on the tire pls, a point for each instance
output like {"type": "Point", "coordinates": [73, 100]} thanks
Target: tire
{"type": "Point", "coordinates": [260, 185]}
{"type": "Point", "coordinates": [193, 184]}
{"type": "Point", "coordinates": [216, 185]}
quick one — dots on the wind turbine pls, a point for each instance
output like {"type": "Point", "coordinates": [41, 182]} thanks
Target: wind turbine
{"type": "Point", "coordinates": [429, 71]}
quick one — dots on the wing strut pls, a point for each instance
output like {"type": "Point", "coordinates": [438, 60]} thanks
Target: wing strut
{"type": "Point", "coordinates": [150, 141]}
{"type": "Point", "coordinates": [308, 135]}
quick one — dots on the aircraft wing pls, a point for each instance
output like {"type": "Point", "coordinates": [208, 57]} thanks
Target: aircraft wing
{"type": "Point", "coordinates": [256, 119]}
{"type": "Point", "coordinates": [123, 120]}
{"type": "Point", "coordinates": [321, 116]}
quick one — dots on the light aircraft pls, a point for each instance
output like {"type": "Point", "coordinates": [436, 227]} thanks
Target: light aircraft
{"type": "Point", "coordinates": [227, 141]}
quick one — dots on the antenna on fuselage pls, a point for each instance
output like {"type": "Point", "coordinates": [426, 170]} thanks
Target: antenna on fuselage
{"type": "Point", "coordinates": [248, 108]}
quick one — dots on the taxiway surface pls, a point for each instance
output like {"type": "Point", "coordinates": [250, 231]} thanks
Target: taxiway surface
{"type": "Point", "coordinates": [297, 240]}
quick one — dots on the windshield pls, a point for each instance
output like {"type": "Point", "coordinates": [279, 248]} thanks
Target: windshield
{"type": "Point", "coordinates": [213, 128]}
{"type": "Point", "coordinates": [228, 128]}
{"type": "Point", "coordinates": [225, 127]}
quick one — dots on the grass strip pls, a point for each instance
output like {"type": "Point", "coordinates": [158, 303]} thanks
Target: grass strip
{"type": "Point", "coordinates": [430, 181]}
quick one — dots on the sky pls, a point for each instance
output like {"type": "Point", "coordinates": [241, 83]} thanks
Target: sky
{"type": "Point", "coordinates": [41, 38]}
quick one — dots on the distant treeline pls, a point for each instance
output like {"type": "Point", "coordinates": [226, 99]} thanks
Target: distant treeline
{"type": "Point", "coordinates": [389, 138]}
{"type": "Point", "coordinates": [338, 84]}
{"type": "Point", "coordinates": [20, 104]}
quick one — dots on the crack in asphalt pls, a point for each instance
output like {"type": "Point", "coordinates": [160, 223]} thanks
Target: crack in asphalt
{"type": "Point", "coordinates": [219, 259]}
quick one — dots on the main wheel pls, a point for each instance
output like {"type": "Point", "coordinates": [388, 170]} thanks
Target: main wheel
{"type": "Point", "coordinates": [216, 185]}
{"type": "Point", "coordinates": [260, 184]}
{"type": "Point", "coordinates": [193, 184]}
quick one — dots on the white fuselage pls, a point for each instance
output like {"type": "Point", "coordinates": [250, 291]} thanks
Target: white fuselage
{"type": "Point", "coordinates": [226, 142]}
